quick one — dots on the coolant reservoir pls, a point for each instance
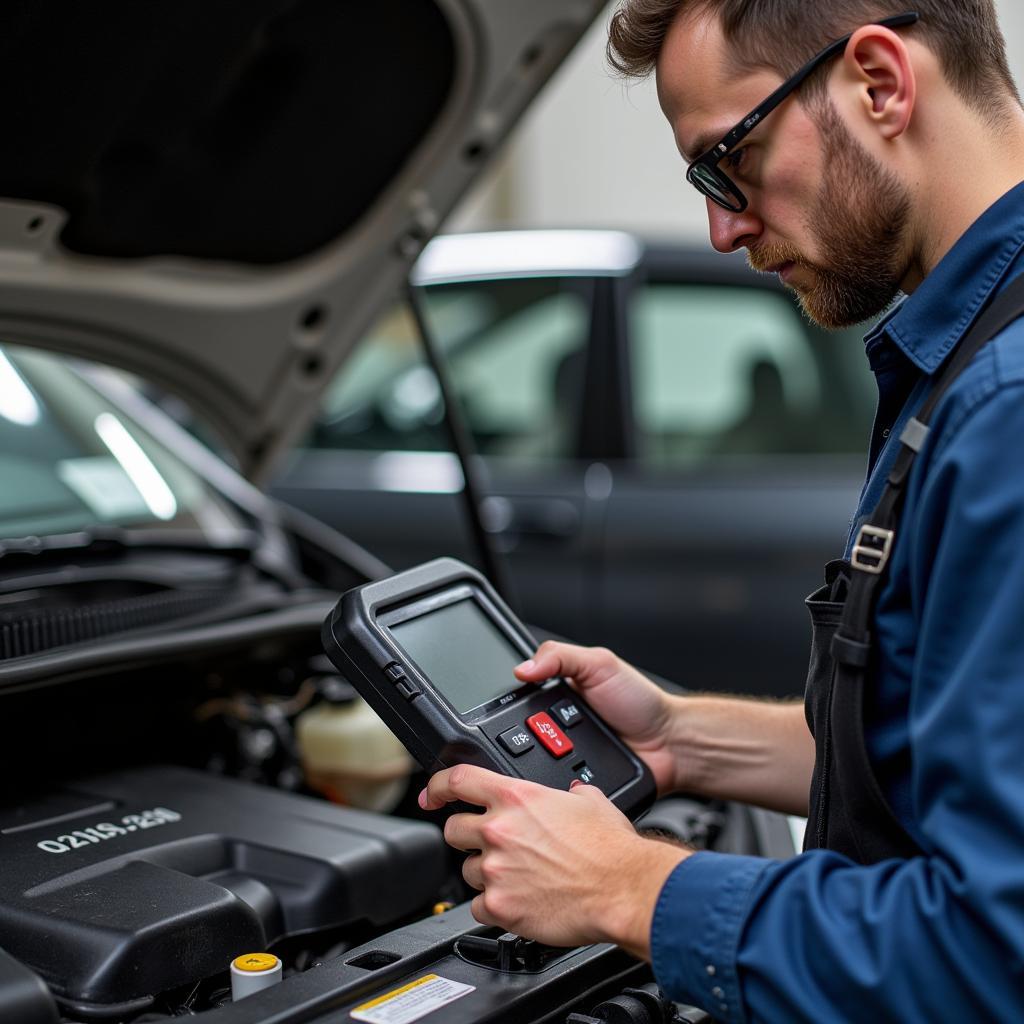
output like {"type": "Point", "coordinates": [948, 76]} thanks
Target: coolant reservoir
{"type": "Point", "coordinates": [351, 756]}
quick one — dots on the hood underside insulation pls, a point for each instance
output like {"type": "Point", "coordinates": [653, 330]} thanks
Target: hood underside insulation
{"type": "Point", "coordinates": [197, 128]}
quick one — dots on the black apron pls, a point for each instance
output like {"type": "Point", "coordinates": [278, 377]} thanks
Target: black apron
{"type": "Point", "coordinates": [848, 812]}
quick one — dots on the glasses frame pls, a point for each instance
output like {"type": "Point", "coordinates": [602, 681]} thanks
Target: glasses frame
{"type": "Point", "coordinates": [707, 163]}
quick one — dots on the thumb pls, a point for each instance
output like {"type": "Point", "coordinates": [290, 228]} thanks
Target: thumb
{"type": "Point", "coordinates": [586, 666]}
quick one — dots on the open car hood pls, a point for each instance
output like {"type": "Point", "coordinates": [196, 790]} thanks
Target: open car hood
{"type": "Point", "coordinates": [219, 195]}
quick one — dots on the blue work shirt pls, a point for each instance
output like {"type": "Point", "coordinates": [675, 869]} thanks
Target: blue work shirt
{"type": "Point", "coordinates": [939, 937]}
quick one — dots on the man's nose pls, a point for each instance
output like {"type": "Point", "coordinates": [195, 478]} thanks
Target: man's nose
{"type": "Point", "coordinates": [731, 231]}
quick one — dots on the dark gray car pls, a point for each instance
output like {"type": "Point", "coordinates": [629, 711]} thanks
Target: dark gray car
{"type": "Point", "coordinates": [669, 450]}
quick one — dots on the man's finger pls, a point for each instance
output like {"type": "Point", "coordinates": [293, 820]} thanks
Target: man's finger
{"type": "Point", "coordinates": [463, 832]}
{"type": "Point", "coordinates": [477, 910]}
{"type": "Point", "coordinates": [584, 665]}
{"type": "Point", "coordinates": [465, 782]}
{"type": "Point", "coordinates": [587, 792]}
{"type": "Point", "coordinates": [472, 874]}
{"type": "Point", "coordinates": [545, 663]}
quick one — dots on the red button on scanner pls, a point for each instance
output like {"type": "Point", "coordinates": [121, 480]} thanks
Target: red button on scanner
{"type": "Point", "coordinates": [551, 737]}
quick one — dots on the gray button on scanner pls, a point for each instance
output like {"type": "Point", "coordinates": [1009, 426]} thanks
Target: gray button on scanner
{"type": "Point", "coordinates": [516, 741]}
{"type": "Point", "coordinates": [567, 713]}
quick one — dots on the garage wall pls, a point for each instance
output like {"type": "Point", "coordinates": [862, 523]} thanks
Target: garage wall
{"type": "Point", "coordinates": [595, 152]}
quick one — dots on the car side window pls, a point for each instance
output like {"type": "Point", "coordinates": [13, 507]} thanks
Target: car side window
{"type": "Point", "coordinates": [723, 370]}
{"type": "Point", "coordinates": [515, 351]}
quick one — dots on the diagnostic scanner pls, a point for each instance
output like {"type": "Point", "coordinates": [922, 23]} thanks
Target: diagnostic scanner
{"type": "Point", "coordinates": [432, 650]}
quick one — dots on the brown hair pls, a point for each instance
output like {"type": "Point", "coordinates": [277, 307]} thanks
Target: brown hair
{"type": "Point", "coordinates": [782, 34]}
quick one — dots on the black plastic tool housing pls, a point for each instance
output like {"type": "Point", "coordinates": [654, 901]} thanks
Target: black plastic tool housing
{"type": "Point", "coordinates": [358, 641]}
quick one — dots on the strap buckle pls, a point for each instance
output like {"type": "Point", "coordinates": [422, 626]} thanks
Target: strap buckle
{"type": "Point", "coordinates": [872, 549]}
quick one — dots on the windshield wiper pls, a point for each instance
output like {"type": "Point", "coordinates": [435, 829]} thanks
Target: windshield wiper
{"type": "Point", "coordinates": [116, 540]}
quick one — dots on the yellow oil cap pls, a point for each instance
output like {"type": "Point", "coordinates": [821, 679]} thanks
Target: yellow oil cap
{"type": "Point", "coordinates": [253, 972]}
{"type": "Point", "coordinates": [255, 962]}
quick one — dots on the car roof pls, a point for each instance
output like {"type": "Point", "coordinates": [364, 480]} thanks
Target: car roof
{"type": "Point", "coordinates": [552, 252]}
{"type": "Point", "coordinates": [578, 252]}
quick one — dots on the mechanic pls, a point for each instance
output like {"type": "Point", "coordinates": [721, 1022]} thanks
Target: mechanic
{"type": "Point", "coordinates": [896, 166]}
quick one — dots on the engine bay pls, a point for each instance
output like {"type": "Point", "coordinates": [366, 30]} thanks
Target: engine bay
{"type": "Point", "coordinates": [131, 886]}
{"type": "Point", "coordinates": [159, 821]}
{"type": "Point", "coordinates": [136, 867]}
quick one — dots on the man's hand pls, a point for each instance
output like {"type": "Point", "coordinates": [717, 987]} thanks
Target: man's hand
{"type": "Point", "coordinates": [564, 868]}
{"type": "Point", "coordinates": [638, 710]}
{"type": "Point", "coordinates": [727, 748]}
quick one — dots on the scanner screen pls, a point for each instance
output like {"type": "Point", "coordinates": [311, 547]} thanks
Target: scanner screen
{"type": "Point", "coordinates": [467, 659]}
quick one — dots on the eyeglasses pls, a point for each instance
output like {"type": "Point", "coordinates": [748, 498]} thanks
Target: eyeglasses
{"type": "Point", "coordinates": [705, 174]}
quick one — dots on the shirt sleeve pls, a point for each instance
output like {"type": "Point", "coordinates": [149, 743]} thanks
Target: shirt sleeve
{"type": "Point", "coordinates": [698, 918]}
{"type": "Point", "coordinates": [937, 937]}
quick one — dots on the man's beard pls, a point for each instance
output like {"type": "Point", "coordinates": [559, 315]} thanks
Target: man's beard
{"type": "Point", "coordinates": [860, 222]}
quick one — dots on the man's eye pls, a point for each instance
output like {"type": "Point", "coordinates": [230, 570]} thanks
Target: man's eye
{"type": "Point", "coordinates": [734, 160]}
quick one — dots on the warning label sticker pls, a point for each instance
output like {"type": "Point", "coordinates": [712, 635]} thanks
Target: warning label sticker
{"type": "Point", "coordinates": [411, 1002]}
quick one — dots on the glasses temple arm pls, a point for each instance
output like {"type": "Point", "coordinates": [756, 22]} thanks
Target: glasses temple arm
{"type": "Point", "coordinates": [754, 118]}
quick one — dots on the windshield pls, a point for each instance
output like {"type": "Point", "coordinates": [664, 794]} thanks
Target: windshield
{"type": "Point", "coordinates": [70, 459]}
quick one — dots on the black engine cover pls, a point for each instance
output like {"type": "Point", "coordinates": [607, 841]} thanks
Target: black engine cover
{"type": "Point", "coordinates": [130, 885]}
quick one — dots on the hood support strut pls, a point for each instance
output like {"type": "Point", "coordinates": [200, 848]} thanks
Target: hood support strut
{"type": "Point", "coordinates": [462, 446]}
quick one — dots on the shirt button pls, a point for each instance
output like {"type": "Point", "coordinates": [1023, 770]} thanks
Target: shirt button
{"type": "Point", "coordinates": [886, 432]}
{"type": "Point", "coordinates": [711, 970]}
{"type": "Point", "coordinates": [718, 993]}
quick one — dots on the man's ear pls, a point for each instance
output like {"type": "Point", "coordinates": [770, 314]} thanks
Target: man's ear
{"type": "Point", "coordinates": [877, 64]}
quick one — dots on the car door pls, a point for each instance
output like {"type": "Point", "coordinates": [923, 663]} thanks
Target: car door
{"type": "Point", "coordinates": [377, 464]}
{"type": "Point", "coordinates": [748, 428]}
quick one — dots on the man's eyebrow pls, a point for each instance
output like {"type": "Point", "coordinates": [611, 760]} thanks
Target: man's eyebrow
{"type": "Point", "coordinates": [703, 144]}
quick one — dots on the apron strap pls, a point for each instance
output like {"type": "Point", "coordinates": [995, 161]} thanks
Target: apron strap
{"type": "Point", "coordinates": [875, 539]}
{"type": "Point", "coordinates": [859, 809]}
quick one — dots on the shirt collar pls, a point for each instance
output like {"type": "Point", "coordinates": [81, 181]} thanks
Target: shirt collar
{"type": "Point", "coordinates": [927, 325]}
